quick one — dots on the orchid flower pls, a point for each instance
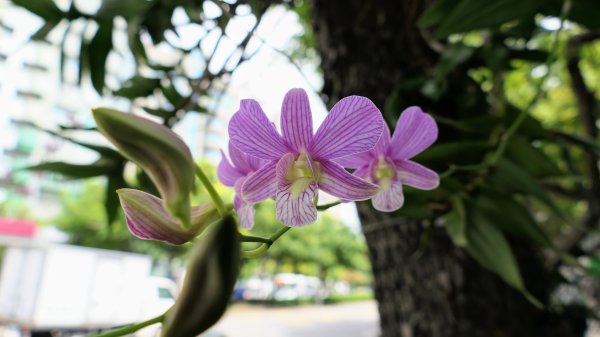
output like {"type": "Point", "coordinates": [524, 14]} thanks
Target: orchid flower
{"type": "Point", "coordinates": [234, 176]}
{"type": "Point", "coordinates": [299, 163]}
{"type": "Point", "coordinates": [388, 164]}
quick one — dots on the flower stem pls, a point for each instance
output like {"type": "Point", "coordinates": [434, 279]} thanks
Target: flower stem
{"type": "Point", "coordinates": [246, 238]}
{"type": "Point", "coordinates": [265, 245]}
{"type": "Point", "coordinates": [133, 327]}
{"type": "Point", "coordinates": [211, 191]}
{"type": "Point", "coordinates": [327, 206]}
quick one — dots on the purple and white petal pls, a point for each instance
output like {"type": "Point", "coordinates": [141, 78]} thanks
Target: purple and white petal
{"type": "Point", "coordinates": [415, 131]}
{"type": "Point", "coordinates": [251, 132]}
{"type": "Point", "coordinates": [296, 120]}
{"type": "Point", "coordinates": [240, 160]}
{"type": "Point", "coordinates": [294, 208]}
{"type": "Point", "coordinates": [227, 174]}
{"type": "Point", "coordinates": [416, 175]}
{"type": "Point", "coordinates": [389, 199]}
{"type": "Point", "coordinates": [355, 160]}
{"type": "Point", "coordinates": [245, 212]}
{"type": "Point", "coordinates": [364, 172]}
{"type": "Point", "coordinates": [354, 125]}
{"type": "Point", "coordinates": [338, 182]}
{"type": "Point", "coordinates": [383, 145]}
{"type": "Point", "coordinates": [261, 184]}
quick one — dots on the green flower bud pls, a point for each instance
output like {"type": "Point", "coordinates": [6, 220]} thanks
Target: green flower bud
{"type": "Point", "coordinates": [211, 276]}
{"type": "Point", "coordinates": [147, 218]}
{"type": "Point", "coordinates": [158, 151]}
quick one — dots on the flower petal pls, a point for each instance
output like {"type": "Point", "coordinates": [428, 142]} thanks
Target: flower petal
{"type": "Point", "coordinates": [261, 184]}
{"type": "Point", "coordinates": [354, 125]}
{"type": "Point", "coordinates": [149, 220]}
{"type": "Point", "coordinates": [294, 208]}
{"type": "Point", "coordinates": [251, 131]}
{"type": "Point", "coordinates": [389, 199]}
{"type": "Point", "coordinates": [416, 175]}
{"type": "Point", "coordinates": [415, 131]}
{"type": "Point", "coordinates": [364, 172]}
{"type": "Point", "coordinates": [227, 174]}
{"type": "Point", "coordinates": [383, 145]}
{"type": "Point", "coordinates": [355, 160]}
{"type": "Point", "coordinates": [338, 182]}
{"type": "Point", "coordinates": [245, 212]}
{"type": "Point", "coordinates": [296, 120]}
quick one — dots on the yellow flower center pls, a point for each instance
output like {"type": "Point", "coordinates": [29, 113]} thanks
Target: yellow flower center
{"type": "Point", "coordinates": [383, 173]}
{"type": "Point", "coordinates": [301, 174]}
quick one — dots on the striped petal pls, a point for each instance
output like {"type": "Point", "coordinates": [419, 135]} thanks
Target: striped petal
{"type": "Point", "coordinates": [415, 131]}
{"type": "Point", "coordinates": [261, 184]}
{"type": "Point", "coordinates": [251, 131]}
{"type": "Point", "coordinates": [296, 120]}
{"type": "Point", "coordinates": [416, 175]}
{"type": "Point", "coordinates": [354, 125]}
{"type": "Point", "coordinates": [227, 174]}
{"type": "Point", "coordinates": [294, 208]}
{"type": "Point", "coordinates": [147, 219]}
{"type": "Point", "coordinates": [338, 182]}
{"type": "Point", "coordinates": [389, 199]}
{"type": "Point", "coordinates": [244, 210]}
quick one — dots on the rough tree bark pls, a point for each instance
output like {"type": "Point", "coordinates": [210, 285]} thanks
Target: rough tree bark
{"type": "Point", "coordinates": [367, 48]}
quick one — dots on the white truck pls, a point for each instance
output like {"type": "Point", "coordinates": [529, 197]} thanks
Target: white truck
{"type": "Point", "coordinates": [51, 289]}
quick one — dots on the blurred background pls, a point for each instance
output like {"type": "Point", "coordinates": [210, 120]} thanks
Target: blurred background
{"type": "Point", "coordinates": [507, 246]}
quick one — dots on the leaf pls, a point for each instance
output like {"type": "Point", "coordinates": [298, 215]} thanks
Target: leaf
{"type": "Point", "coordinates": [512, 178]}
{"type": "Point", "coordinates": [111, 198]}
{"type": "Point", "coordinates": [488, 246]}
{"type": "Point", "coordinates": [99, 47]}
{"type": "Point", "coordinates": [40, 34]}
{"type": "Point", "coordinates": [46, 9]}
{"type": "Point", "coordinates": [436, 12]}
{"type": "Point", "coordinates": [533, 160]}
{"type": "Point", "coordinates": [510, 216]}
{"type": "Point", "coordinates": [84, 60]}
{"type": "Point", "coordinates": [77, 171]}
{"type": "Point", "coordinates": [476, 14]}
{"type": "Point", "coordinates": [124, 8]}
{"type": "Point", "coordinates": [583, 141]}
{"type": "Point", "coordinates": [456, 222]}
{"type": "Point", "coordinates": [459, 153]}
{"type": "Point", "coordinates": [137, 86]}
{"type": "Point", "coordinates": [531, 127]}
{"type": "Point", "coordinates": [211, 276]}
{"type": "Point", "coordinates": [159, 112]}
{"type": "Point", "coordinates": [173, 96]}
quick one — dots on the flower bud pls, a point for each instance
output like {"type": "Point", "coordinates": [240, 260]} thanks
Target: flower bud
{"type": "Point", "coordinates": [147, 218]}
{"type": "Point", "coordinates": [211, 275]}
{"type": "Point", "coordinates": [158, 151]}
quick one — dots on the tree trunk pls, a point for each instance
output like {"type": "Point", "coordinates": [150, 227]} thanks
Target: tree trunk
{"type": "Point", "coordinates": [367, 48]}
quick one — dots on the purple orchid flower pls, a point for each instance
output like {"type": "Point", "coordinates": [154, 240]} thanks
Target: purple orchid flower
{"type": "Point", "coordinates": [388, 164]}
{"type": "Point", "coordinates": [234, 176]}
{"type": "Point", "coordinates": [300, 163]}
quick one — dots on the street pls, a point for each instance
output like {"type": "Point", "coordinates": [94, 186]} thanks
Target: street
{"type": "Point", "coordinates": [358, 319]}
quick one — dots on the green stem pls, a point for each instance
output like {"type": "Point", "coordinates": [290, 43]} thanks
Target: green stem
{"type": "Point", "coordinates": [246, 238]}
{"type": "Point", "coordinates": [211, 191]}
{"type": "Point", "coordinates": [267, 243]}
{"type": "Point", "coordinates": [133, 327]}
{"type": "Point", "coordinates": [326, 206]}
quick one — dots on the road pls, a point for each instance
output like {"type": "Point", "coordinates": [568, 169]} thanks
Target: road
{"type": "Point", "coordinates": [357, 319]}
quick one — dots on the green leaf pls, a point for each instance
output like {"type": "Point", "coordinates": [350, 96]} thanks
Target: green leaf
{"type": "Point", "coordinates": [512, 178]}
{"type": "Point", "coordinates": [46, 9]}
{"type": "Point", "coordinates": [459, 153]}
{"type": "Point", "coordinates": [533, 160]}
{"type": "Point", "coordinates": [436, 12]}
{"type": "Point", "coordinates": [77, 171]}
{"type": "Point", "coordinates": [173, 96]}
{"type": "Point", "coordinates": [510, 216]}
{"type": "Point", "coordinates": [456, 222]}
{"type": "Point", "coordinates": [488, 246]}
{"type": "Point", "coordinates": [211, 276]}
{"type": "Point", "coordinates": [583, 141]}
{"type": "Point", "coordinates": [138, 86]}
{"type": "Point", "coordinates": [111, 198]}
{"type": "Point", "coordinates": [476, 14]}
{"type": "Point", "coordinates": [124, 8]}
{"type": "Point", "coordinates": [84, 60]}
{"type": "Point", "coordinates": [99, 48]}
{"type": "Point", "coordinates": [159, 112]}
